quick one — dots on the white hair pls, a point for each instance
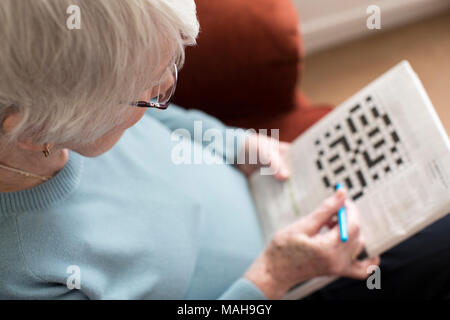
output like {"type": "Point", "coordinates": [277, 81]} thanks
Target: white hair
{"type": "Point", "coordinates": [74, 85]}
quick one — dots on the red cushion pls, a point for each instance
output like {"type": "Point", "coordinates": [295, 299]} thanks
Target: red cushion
{"type": "Point", "coordinates": [291, 124]}
{"type": "Point", "coordinates": [247, 61]}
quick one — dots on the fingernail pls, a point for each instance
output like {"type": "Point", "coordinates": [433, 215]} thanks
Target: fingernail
{"type": "Point", "coordinates": [340, 193]}
{"type": "Point", "coordinates": [285, 172]}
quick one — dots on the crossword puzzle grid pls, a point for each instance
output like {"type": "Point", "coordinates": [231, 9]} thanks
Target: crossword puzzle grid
{"type": "Point", "coordinates": [360, 150]}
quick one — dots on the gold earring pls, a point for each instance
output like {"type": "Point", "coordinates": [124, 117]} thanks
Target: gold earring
{"type": "Point", "coordinates": [46, 151]}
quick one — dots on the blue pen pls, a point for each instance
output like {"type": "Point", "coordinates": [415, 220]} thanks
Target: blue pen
{"type": "Point", "coordinates": [342, 216]}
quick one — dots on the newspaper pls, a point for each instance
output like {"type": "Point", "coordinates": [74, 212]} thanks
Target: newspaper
{"type": "Point", "coordinates": [387, 146]}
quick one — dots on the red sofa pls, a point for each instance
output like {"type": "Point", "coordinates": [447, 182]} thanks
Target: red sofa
{"type": "Point", "coordinates": [246, 68]}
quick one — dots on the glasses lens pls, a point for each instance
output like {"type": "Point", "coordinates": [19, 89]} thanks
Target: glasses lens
{"type": "Point", "coordinates": [165, 92]}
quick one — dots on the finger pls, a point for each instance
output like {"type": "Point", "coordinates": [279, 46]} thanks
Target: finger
{"type": "Point", "coordinates": [361, 270]}
{"type": "Point", "coordinates": [356, 248]}
{"type": "Point", "coordinates": [353, 222]}
{"type": "Point", "coordinates": [326, 211]}
{"type": "Point", "coordinates": [273, 163]}
{"type": "Point", "coordinates": [354, 244]}
{"type": "Point", "coordinates": [332, 222]}
{"type": "Point", "coordinates": [332, 235]}
{"type": "Point", "coordinates": [353, 210]}
{"type": "Point", "coordinates": [284, 146]}
{"type": "Point", "coordinates": [283, 173]}
{"type": "Point", "coordinates": [279, 164]}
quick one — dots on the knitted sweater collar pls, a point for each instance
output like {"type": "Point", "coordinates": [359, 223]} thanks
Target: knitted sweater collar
{"type": "Point", "coordinates": [47, 193]}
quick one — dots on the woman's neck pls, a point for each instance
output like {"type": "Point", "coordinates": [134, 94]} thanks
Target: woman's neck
{"type": "Point", "coordinates": [29, 161]}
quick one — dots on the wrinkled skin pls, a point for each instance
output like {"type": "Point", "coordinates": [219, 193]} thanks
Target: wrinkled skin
{"type": "Point", "coordinates": [301, 251]}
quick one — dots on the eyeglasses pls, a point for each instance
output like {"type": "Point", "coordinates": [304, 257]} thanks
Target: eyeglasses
{"type": "Point", "coordinates": [162, 100]}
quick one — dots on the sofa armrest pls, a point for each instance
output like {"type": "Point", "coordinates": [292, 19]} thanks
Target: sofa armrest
{"type": "Point", "coordinates": [247, 60]}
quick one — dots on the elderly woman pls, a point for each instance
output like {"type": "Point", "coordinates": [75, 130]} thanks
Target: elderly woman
{"type": "Point", "coordinates": [92, 204]}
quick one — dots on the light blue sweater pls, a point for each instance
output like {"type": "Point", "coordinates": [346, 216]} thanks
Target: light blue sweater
{"type": "Point", "coordinates": [135, 224]}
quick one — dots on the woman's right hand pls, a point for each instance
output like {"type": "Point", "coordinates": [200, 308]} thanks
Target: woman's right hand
{"type": "Point", "coordinates": [300, 252]}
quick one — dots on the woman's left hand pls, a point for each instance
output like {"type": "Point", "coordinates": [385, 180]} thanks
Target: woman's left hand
{"type": "Point", "coordinates": [267, 154]}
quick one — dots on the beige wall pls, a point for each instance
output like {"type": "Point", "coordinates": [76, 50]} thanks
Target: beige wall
{"type": "Point", "coordinates": [333, 75]}
{"type": "Point", "coordinates": [326, 23]}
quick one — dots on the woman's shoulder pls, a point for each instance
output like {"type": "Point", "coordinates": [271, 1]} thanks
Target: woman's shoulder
{"type": "Point", "coordinates": [106, 237]}
{"type": "Point", "coordinates": [30, 243]}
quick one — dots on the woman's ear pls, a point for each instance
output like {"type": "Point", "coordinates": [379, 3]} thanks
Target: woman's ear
{"type": "Point", "coordinates": [9, 123]}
